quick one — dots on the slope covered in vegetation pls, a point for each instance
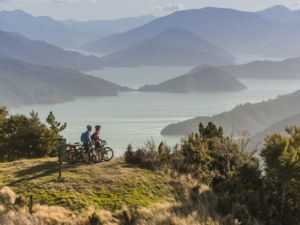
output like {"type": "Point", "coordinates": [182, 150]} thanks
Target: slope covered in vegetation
{"type": "Point", "coordinates": [208, 179]}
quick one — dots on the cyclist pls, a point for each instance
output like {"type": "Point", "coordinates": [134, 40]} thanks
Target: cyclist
{"type": "Point", "coordinates": [97, 140]}
{"type": "Point", "coordinates": [87, 142]}
{"type": "Point", "coordinates": [96, 136]}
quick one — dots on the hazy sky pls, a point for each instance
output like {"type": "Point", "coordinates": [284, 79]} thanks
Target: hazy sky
{"type": "Point", "coordinates": [111, 9]}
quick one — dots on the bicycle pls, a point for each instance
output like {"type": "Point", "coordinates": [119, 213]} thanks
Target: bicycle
{"type": "Point", "coordinates": [104, 152]}
{"type": "Point", "coordinates": [76, 153]}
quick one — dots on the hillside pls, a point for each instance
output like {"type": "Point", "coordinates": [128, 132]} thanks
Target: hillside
{"type": "Point", "coordinates": [107, 186]}
{"type": "Point", "coordinates": [25, 83]}
{"type": "Point", "coordinates": [39, 52]}
{"type": "Point", "coordinates": [208, 79]}
{"type": "Point", "coordinates": [66, 34]}
{"type": "Point", "coordinates": [172, 47]}
{"type": "Point", "coordinates": [277, 127]}
{"type": "Point", "coordinates": [252, 33]}
{"type": "Point", "coordinates": [251, 117]}
{"type": "Point", "coordinates": [285, 69]}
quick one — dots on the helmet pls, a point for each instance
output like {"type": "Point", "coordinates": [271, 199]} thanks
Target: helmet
{"type": "Point", "coordinates": [88, 126]}
{"type": "Point", "coordinates": [97, 127]}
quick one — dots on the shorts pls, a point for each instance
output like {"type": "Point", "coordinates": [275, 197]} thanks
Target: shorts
{"type": "Point", "coordinates": [97, 145]}
{"type": "Point", "coordinates": [86, 147]}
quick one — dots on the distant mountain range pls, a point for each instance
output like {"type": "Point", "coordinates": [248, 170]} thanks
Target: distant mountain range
{"type": "Point", "coordinates": [281, 14]}
{"type": "Point", "coordinates": [233, 30]}
{"type": "Point", "coordinates": [285, 69]}
{"type": "Point", "coordinates": [16, 46]}
{"type": "Point", "coordinates": [26, 83]}
{"type": "Point", "coordinates": [68, 33]}
{"type": "Point", "coordinates": [251, 117]}
{"type": "Point", "coordinates": [172, 47]}
{"type": "Point", "coordinates": [209, 79]}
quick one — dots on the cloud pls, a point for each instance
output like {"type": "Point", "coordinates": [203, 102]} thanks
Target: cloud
{"type": "Point", "coordinates": [50, 1]}
{"type": "Point", "coordinates": [5, 7]}
{"type": "Point", "coordinates": [294, 5]}
{"type": "Point", "coordinates": [171, 7]}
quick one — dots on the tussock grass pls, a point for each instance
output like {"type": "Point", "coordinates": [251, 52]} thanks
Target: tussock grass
{"type": "Point", "coordinates": [167, 213]}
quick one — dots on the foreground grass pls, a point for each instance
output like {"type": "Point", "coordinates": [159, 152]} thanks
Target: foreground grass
{"type": "Point", "coordinates": [108, 185]}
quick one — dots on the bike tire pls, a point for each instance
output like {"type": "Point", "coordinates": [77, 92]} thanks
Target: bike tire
{"type": "Point", "coordinates": [71, 154]}
{"type": "Point", "coordinates": [107, 154]}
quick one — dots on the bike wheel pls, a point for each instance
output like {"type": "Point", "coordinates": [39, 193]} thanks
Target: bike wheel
{"type": "Point", "coordinates": [107, 154]}
{"type": "Point", "coordinates": [71, 154]}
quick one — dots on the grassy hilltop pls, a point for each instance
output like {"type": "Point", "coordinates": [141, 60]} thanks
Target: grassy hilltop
{"type": "Point", "coordinates": [105, 185]}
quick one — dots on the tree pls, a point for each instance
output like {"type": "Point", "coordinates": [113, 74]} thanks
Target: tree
{"type": "Point", "coordinates": [26, 137]}
{"type": "Point", "coordinates": [55, 126]}
{"type": "Point", "coordinates": [210, 131]}
{"type": "Point", "coordinates": [281, 156]}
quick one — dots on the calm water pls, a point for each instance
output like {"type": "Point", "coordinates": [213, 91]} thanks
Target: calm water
{"type": "Point", "coordinates": [136, 77]}
{"type": "Point", "coordinates": [135, 117]}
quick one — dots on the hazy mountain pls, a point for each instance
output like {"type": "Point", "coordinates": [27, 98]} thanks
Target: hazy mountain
{"type": "Point", "coordinates": [233, 30]}
{"type": "Point", "coordinates": [25, 83]}
{"type": "Point", "coordinates": [39, 52]}
{"type": "Point", "coordinates": [94, 29]}
{"type": "Point", "coordinates": [251, 117]}
{"type": "Point", "coordinates": [277, 127]}
{"type": "Point", "coordinates": [68, 33]}
{"type": "Point", "coordinates": [208, 79]}
{"type": "Point", "coordinates": [214, 24]}
{"type": "Point", "coordinates": [286, 69]}
{"type": "Point", "coordinates": [280, 13]}
{"type": "Point", "coordinates": [172, 47]}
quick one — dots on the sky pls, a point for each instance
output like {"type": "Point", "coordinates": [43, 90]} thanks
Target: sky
{"type": "Point", "coordinates": [113, 9]}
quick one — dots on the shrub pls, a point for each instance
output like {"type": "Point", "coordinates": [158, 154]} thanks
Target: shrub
{"type": "Point", "coordinates": [94, 219]}
{"type": "Point", "coordinates": [149, 156]}
{"type": "Point", "coordinates": [27, 137]}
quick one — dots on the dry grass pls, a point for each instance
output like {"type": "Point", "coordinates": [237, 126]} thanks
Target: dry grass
{"type": "Point", "coordinates": [167, 213]}
{"type": "Point", "coordinates": [142, 197]}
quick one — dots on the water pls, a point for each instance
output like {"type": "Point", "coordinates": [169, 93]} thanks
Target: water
{"type": "Point", "coordinates": [135, 117]}
{"type": "Point", "coordinates": [246, 58]}
{"type": "Point", "coordinates": [136, 77]}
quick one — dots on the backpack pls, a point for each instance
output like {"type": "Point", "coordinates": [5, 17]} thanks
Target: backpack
{"type": "Point", "coordinates": [82, 137]}
{"type": "Point", "coordinates": [93, 136]}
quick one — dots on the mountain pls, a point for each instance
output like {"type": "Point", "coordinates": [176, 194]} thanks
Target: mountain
{"type": "Point", "coordinates": [233, 30]}
{"type": "Point", "coordinates": [280, 13]}
{"type": "Point", "coordinates": [277, 127]}
{"type": "Point", "coordinates": [94, 29]}
{"type": "Point", "coordinates": [39, 52]}
{"type": "Point", "coordinates": [66, 34]}
{"type": "Point", "coordinates": [26, 83]}
{"type": "Point", "coordinates": [209, 79]}
{"type": "Point", "coordinates": [285, 69]}
{"type": "Point", "coordinates": [172, 47]}
{"type": "Point", "coordinates": [251, 117]}
{"type": "Point", "coordinates": [214, 24]}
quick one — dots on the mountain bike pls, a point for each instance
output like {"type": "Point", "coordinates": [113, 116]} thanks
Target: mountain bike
{"type": "Point", "coordinates": [104, 152]}
{"type": "Point", "coordinates": [75, 153]}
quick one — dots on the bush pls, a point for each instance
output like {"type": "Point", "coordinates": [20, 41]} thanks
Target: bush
{"type": "Point", "coordinates": [149, 157]}
{"type": "Point", "coordinates": [27, 137]}
{"type": "Point", "coordinates": [246, 193]}
{"type": "Point", "coordinates": [94, 219]}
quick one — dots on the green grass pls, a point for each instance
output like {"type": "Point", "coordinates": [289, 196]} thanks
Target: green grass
{"type": "Point", "coordinates": [108, 185]}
